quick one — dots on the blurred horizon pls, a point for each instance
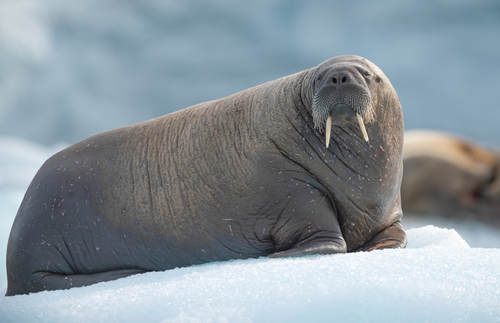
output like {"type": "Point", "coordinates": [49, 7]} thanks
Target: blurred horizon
{"type": "Point", "coordinates": [69, 70]}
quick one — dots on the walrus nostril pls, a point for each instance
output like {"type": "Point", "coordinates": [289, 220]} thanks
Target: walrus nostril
{"type": "Point", "coordinates": [340, 79]}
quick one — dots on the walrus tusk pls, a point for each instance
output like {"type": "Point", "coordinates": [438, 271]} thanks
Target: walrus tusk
{"type": "Point", "coordinates": [328, 131]}
{"type": "Point", "coordinates": [362, 126]}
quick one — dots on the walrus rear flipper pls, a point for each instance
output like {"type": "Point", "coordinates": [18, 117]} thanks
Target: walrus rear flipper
{"type": "Point", "coordinates": [391, 238]}
{"type": "Point", "coordinates": [41, 281]}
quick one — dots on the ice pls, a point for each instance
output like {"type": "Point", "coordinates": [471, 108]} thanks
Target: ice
{"type": "Point", "coordinates": [477, 234]}
{"type": "Point", "coordinates": [438, 278]}
{"type": "Point", "coordinates": [432, 237]}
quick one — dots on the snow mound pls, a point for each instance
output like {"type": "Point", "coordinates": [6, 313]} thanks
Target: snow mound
{"type": "Point", "coordinates": [438, 278]}
{"type": "Point", "coordinates": [430, 237]}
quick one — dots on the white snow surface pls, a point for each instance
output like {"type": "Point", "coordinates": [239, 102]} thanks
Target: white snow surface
{"type": "Point", "coordinates": [437, 278]}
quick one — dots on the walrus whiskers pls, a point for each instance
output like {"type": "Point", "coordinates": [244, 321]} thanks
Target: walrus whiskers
{"type": "Point", "coordinates": [328, 131]}
{"type": "Point", "coordinates": [361, 126]}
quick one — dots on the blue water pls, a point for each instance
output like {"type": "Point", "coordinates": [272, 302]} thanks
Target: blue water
{"type": "Point", "coordinates": [71, 69]}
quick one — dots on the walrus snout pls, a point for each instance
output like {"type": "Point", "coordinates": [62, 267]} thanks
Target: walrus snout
{"type": "Point", "coordinates": [343, 114]}
{"type": "Point", "coordinates": [341, 77]}
{"type": "Point", "coordinates": [342, 96]}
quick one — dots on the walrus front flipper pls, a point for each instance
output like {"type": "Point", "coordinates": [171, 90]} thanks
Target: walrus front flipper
{"type": "Point", "coordinates": [391, 238]}
{"type": "Point", "coordinates": [307, 225]}
{"type": "Point", "coordinates": [42, 281]}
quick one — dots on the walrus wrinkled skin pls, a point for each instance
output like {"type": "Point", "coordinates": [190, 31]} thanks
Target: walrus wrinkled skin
{"type": "Point", "coordinates": [451, 176]}
{"type": "Point", "coordinates": [241, 177]}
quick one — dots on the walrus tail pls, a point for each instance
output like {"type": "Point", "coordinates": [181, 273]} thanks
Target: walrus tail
{"type": "Point", "coordinates": [45, 281]}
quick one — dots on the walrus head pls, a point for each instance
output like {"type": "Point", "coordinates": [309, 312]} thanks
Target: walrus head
{"type": "Point", "coordinates": [342, 97]}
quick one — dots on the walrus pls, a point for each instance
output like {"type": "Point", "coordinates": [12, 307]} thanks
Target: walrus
{"type": "Point", "coordinates": [449, 175]}
{"type": "Point", "coordinates": [250, 175]}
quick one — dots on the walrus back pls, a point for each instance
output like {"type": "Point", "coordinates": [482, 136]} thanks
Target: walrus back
{"type": "Point", "coordinates": [130, 200]}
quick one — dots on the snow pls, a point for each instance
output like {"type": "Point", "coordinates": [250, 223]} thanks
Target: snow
{"type": "Point", "coordinates": [437, 278]}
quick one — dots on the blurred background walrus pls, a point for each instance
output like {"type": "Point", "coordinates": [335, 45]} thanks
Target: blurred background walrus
{"type": "Point", "coordinates": [451, 176]}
